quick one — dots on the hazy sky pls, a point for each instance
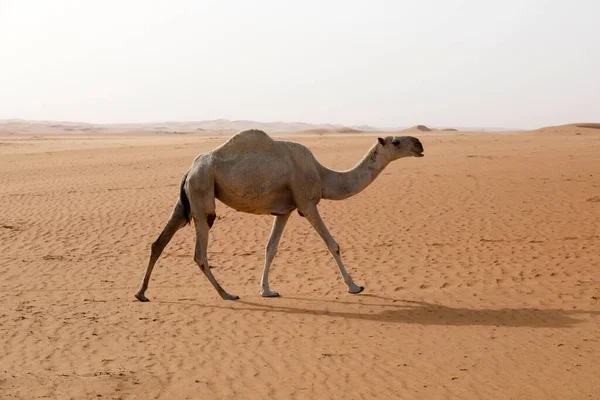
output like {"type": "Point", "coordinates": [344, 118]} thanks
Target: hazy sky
{"type": "Point", "coordinates": [497, 63]}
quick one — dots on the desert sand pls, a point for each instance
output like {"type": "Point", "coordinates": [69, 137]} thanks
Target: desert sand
{"type": "Point", "coordinates": [480, 262]}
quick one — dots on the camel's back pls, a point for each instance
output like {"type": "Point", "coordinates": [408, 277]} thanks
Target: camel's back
{"type": "Point", "coordinates": [248, 140]}
{"type": "Point", "coordinates": [251, 147]}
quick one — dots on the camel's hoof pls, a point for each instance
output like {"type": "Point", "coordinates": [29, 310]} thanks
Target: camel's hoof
{"type": "Point", "coordinates": [356, 290]}
{"type": "Point", "coordinates": [228, 296]}
{"type": "Point", "coordinates": [269, 293]}
{"type": "Point", "coordinates": [141, 297]}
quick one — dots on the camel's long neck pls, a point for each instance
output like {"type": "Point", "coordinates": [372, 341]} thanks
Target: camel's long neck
{"type": "Point", "coordinates": [339, 185]}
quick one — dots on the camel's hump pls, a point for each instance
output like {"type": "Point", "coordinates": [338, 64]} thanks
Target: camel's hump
{"type": "Point", "coordinates": [248, 139]}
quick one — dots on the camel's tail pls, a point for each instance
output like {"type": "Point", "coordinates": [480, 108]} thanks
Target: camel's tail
{"type": "Point", "coordinates": [185, 202]}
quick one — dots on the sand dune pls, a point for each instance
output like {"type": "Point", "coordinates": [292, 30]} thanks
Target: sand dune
{"type": "Point", "coordinates": [213, 126]}
{"type": "Point", "coordinates": [480, 263]}
{"type": "Point", "coordinates": [346, 129]}
{"type": "Point", "coordinates": [417, 128]}
{"type": "Point", "coordinates": [343, 130]}
{"type": "Point", "coordinates": [315, 132]}
{"type": "Point", "coordinates": [587, 127]}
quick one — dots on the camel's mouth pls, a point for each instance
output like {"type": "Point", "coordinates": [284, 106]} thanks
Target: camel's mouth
{"type": "Point", "coordinates": [419, 153]}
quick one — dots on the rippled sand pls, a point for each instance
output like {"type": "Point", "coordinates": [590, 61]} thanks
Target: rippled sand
{"type": "Point", "coordinates": [480, 262]}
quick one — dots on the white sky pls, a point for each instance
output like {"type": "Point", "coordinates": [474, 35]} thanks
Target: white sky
{"type": "Point", "coordinates": [515, 64]}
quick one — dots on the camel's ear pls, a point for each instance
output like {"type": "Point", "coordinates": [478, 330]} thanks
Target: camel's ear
{"type": "Point", "coordinates": [381, 141]}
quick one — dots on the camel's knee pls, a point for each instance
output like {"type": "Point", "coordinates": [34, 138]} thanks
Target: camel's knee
{"type": "Point", "coordinates": [271, 256]}
{"type": "Point", "coordinates": [271, 250]}
{"type": "Point", "coordinates": [333, 247]}
{"type": "Point", "coordinates": [201, 261]}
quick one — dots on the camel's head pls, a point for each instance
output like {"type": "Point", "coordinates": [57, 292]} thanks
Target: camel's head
{"type": "Point", "coordinates": [401, 146]}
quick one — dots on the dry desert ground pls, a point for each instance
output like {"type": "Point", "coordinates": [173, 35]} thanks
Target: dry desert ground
{"type": "Point", "coordinates": [480, 261]}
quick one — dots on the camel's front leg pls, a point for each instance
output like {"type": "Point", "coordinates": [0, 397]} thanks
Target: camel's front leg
{"type": "Point", "coordinates": [312, 215]}
{"type": "Point", "coordinates": [271, 250]}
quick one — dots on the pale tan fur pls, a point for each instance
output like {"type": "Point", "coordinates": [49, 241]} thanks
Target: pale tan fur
{"type": "Point", "coordinates": [253, 173]}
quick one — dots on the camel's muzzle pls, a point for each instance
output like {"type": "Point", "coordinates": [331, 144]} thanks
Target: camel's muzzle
{"type": "Point", "coordinates": [418, 148]}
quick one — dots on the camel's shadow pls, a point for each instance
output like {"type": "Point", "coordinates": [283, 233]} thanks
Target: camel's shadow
{"type": "Point", "coordinates": [419, 312]}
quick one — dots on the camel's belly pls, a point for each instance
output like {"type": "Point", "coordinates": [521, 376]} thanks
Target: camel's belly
{"type": "Point", "coordinates": [267, 202]}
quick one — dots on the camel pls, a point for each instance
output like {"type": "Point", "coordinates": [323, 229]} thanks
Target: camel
{"type": "Point", "coordinates": [253, 173]}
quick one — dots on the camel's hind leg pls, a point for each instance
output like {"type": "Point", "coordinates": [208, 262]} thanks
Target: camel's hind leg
{"type": "Point", "coordinates": [200, 256]}
{"type": "Point", "coordinates": [176, 222]}
{"type": "Point", "coordinates": [202, 206]}
{"type": "Point", "coordinates": [271, 250]}
{"type": "Point", "coordinates": [312, 215]}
